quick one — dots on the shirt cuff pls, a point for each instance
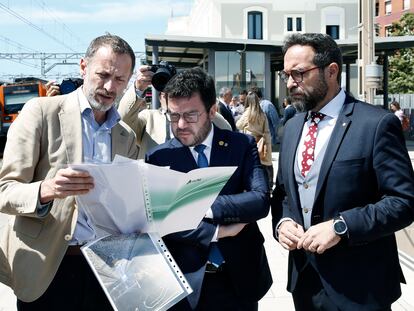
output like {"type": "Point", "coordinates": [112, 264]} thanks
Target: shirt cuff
{"type": "Point", "coordinates": [278, 225]}
{"type": "Point", "coordinates": [209, 214]}
{"type": "Point", "coordinates": [43, 209]}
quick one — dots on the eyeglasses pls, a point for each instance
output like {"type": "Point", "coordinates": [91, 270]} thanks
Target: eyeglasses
{"type": "Point", "coordinates": [296, 75]}
{"type": "Point", "coordinates": [189, 117]}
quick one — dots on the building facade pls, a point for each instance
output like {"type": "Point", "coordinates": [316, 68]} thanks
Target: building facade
{"type": "Point", "coordinates": [389, 11]}
{"type": "Point", "coordinates": [268, 21]}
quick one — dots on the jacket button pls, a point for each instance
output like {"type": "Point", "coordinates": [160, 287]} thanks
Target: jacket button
{"type": "Point", "coordinates": [305, 185]}
{"type": "Point", "coordinates": [68, 237]}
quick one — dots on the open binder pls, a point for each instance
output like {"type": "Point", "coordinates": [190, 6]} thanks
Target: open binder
{"type": "Point", "coordinates": [131, 207]}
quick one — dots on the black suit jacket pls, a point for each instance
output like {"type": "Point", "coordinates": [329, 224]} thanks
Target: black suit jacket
{"type": "Point", "coordinates": [226, 113]}
{"type": "Point", "coordinates": [244, 199]}
{"type": "Point", "coordinates": [367, 177]}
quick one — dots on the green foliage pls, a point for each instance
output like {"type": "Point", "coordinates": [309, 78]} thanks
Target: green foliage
{"type": "Point", "coordinates": [401, 65]}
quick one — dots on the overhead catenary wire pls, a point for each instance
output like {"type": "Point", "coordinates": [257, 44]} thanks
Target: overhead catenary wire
{"type": "Point", "coordinates": [26, 21]}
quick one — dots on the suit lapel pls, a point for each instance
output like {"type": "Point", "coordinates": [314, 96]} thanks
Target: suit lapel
{"type": "Point", "coordinates": [71, 127]}
{"type": "Point", "coordinates": [341, 126]}
{"type": "Point", "coordinates": [219, 148]}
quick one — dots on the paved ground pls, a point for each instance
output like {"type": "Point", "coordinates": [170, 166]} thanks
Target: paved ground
{"type": "Point", "coordinates": [277, 298]}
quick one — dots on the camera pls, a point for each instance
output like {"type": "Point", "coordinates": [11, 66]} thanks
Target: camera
{"type": "Point", "coordinates": [163, 72]}
{"type": "Point", "coordinates": [68, 85]}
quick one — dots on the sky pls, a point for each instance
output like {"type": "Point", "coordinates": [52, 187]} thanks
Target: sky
{"type": "Point", "coordinates": [66, 26]}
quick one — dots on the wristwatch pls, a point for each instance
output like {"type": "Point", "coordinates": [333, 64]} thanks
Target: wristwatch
{"type": "Point", "coordinates": [340, 227]}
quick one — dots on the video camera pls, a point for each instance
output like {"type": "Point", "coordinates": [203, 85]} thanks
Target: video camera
{"type": "Point", "coordinates": [68, 85]}
{"type": "Point", "coordinates": [163, 72]}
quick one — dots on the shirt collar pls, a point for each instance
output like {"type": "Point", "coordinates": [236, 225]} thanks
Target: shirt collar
{"type": "Point", "coordinates": [112, 115]}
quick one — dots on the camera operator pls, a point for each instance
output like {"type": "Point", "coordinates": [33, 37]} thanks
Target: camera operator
{"type": "Point", "coordinates": [52, 89]}
{"type": "Point", "coordinates": [150, 125]}
{"type": "Point", "coordinates": [67, 86]}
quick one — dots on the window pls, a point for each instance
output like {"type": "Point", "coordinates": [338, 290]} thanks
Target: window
{"type": "Point", "coordinates": [294, 23]}
{"type": "Point", "coordinates": [333, 31]}
{"type": "Point", "coordinates": [388, 30]}
{"type": "Point", "coordinates": [388, 7]}
{"type": "Point", "coordinates": [377, 7]}
{"type": "Point", "coordinates": [298, 24]}
{"type": "Point", "coordinates": [289, 24]}
{"type": "Point", "coordinates": [406, 4]}
{"type": "Point", "coordinates": [255, 25]}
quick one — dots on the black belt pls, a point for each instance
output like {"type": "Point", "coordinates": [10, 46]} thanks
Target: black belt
{"type": "Point", "coordinates": [210, 268]}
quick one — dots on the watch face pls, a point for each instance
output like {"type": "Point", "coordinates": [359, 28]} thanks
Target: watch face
{"type": "Point", "coordinates": [340, 227]}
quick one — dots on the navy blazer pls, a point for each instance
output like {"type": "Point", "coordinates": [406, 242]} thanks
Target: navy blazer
{"type": "Point", "coordinates": [244, 199]}
{"type": "Point", "coordinates": [227, 114]}
{"type": "Point", "coordinates": [367, 177]}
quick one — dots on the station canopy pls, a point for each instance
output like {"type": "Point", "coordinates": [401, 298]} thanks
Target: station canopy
{"type": "Point", "coordinates": [187, 51]}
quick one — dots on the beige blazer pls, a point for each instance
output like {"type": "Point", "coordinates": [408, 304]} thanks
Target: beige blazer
{"type": "Point", "coordinates": [46, 135]}
{"type": "Point", "coordinates": [150, 125]}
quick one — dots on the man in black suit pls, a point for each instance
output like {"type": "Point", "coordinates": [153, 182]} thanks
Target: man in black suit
{"type": "Point", "coordinates": [223, 259]}
{"type": "Point", "coordinates": [225, 96]}
{"type": "Point", "coordinates": [345, 184]}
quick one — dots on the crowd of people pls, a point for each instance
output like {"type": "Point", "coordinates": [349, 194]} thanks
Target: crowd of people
{"type": "Point", "coordinates": [344, 185]}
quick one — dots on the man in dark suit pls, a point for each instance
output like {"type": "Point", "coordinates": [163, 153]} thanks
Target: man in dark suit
{"type": "Point", "coordinates": [345, 185]}
{"type": "Point", "coordinates": [225, 96]}
{"type": "Point", "coordinates": [238, 279]}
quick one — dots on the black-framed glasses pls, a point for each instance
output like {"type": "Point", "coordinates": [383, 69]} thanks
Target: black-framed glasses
{"type": "Point", "coordinates": [296, 75]}
{"type": "Point", "coordinates": [189, 117]}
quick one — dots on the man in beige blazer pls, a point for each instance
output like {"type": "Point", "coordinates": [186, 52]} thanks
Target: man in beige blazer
{"type": "Point", "coordinates": [150, 125]}
{"type": "Point", "coordinates": [41, 261]}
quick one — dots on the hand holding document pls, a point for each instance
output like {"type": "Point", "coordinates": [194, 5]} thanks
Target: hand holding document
{"type": "Point", "coordinates": [131, 206]}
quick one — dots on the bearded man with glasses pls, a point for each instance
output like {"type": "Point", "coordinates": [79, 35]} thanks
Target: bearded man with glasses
{"type": "Point", "coordinates": [345, 185]}
{"type": "Point", "coordinates": [223, 259]}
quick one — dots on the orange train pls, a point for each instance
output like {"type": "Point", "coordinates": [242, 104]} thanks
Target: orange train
{"type": "Point", "coordinates": [13, 96]}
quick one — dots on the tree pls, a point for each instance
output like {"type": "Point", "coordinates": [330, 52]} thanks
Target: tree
{"type": "Point", "coordinates": [401, 69]}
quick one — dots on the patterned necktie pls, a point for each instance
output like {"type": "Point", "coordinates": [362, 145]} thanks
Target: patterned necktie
{"type": "Point", "coordinates": [308, 148]}
{"type": "Point", "coordinates": [214, 256]}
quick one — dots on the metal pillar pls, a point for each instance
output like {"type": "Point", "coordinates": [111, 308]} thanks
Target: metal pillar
{"type": "Point", "coordinates": [366, 48]}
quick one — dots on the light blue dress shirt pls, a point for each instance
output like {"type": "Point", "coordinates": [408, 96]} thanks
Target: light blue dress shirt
{"type": "Point", "coordinates": [96, 148]}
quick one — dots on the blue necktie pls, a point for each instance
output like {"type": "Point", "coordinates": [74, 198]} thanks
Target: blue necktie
{"type": "Point", "coordinates": [214, 255]}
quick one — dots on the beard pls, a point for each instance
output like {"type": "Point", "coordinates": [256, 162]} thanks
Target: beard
{"type": "Point", "coordinates": [97, 106]}
{"type": "Point", "coordinates": [304, 100]}
{"type": "Point", "coordinates": [198, 137]}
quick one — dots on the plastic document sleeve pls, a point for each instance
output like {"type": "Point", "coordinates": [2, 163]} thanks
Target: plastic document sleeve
{"type": "Point", "coordinates": [136, 271]}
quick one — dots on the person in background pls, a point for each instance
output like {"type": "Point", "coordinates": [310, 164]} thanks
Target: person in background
{"type": "Point", "coordinates": [396, 109]}
{"type": "Point", "coordinates": [345, 185]}
{"type": "Point", "coordinates": [225, 96]}
{"type": "Point", "coordinates": [242, 97]}
{"type": "Point", "coordinates": [43, 263]}
{"type": "Point", "coordinates": [237, 109]}
{"type": "Point", "coordinates": [223, 259]}
{"type": "Point", "coordinates": [271, 113]}
{"type": "Point", "coordinates": [289, 112]}
{"type": "Point", "coordinates": [254, 122]}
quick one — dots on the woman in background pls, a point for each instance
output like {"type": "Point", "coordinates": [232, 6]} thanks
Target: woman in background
{"type": "Point", "coordinates": [254, 122]}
